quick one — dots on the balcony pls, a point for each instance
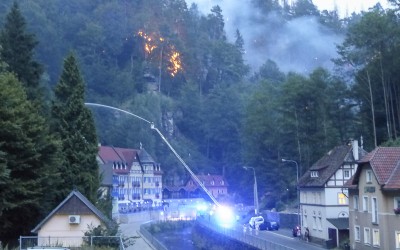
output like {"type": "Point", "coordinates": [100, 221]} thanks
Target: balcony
{"type": "Point", "coordinates": [136, 196]}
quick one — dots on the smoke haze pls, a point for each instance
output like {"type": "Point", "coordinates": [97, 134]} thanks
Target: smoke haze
{"type": "Point", "coordinates": [299, 45]}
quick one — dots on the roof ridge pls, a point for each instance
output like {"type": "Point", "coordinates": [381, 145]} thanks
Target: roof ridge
{"type": "Point", "coordinates": [82, 198]}
{"type": "Point", "coordinates": [115, 150]}
{"type": "Point", "coordinates": [393, 172]}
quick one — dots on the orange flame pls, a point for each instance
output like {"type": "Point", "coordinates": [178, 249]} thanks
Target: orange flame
{"type": "Point", "coordinates": [176, 64]}
{"type": "Point", "coordinates": [149, 45]}
{"type": "Point", "coordinates": [174, 57]}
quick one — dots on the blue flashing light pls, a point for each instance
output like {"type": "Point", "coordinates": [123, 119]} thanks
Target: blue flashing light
{"type": "Point", "coordinates": [225, 216]}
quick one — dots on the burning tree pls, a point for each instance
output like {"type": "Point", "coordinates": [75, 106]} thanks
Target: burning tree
{"type": "Point", "coordinates": [154, 41]}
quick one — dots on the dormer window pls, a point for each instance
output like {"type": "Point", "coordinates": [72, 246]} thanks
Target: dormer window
{"type": "Point", "coordinates": [212, 182]}
{"type": "Point", "coordinates": [222, 182]}
{"type": "Point", "coordinates": [314, 173]}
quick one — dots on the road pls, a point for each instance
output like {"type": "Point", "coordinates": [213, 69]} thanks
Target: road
{"type": "Point", "coordinates": [130, 226]}
{"type": "Point", "coordinates": [284, 237]}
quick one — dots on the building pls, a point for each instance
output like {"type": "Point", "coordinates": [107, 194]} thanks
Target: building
{"type": "Point", "coordinates": [323, 199]}
{"type": "Point", "coordinates": [374, 194]}
{"type": "Point", "coordinates": [67, 223]}
{"type": "Point", "coordinates": [136, 178]}
{"type": "Point", "coordinates": [216, 185]}
{"type": "Point", "coordinates": [106, 175]}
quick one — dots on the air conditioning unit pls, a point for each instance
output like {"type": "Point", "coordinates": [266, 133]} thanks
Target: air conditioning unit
{"type": "Point", "coordinates": [74, 219]}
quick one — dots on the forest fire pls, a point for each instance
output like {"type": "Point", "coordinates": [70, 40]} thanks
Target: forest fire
{"type": "Point", "coordinates": [176, 64]}
{"type": "Point", "coordinates": [153, 42]}
{"type": "Point", "coordinates": [150, 43]}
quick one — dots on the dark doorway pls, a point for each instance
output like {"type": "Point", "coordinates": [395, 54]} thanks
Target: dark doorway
{"type": "Point", "coordinates": [332, 242]}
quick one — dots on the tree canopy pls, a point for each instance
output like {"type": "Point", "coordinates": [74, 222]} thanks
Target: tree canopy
{"type": "Point", "coordinates": [183, 70]}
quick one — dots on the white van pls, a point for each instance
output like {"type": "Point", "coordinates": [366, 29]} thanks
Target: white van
{"type": "Point", "coordinates": [256, 221]}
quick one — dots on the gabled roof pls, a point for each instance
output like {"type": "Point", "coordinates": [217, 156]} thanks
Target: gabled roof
{"type": "Point", "coordinates": [109, 154]}
{"type": "Point", "coordinates": [328, 165]}
{"type": "Point", "coordinates": [80, 197]}
{"type": "Point", "coordinates": [145, 157]}
{"type": "Point", "coordinates": [385, 163]}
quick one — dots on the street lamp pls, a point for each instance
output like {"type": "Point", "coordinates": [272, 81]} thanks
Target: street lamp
{"type": "Point", "coordinates": [255, 190]}
{"type": "Point", "coordinates": [298, 190]}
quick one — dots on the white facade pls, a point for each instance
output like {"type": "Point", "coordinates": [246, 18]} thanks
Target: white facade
{"type": "Point", "coordinates": [323, 200]}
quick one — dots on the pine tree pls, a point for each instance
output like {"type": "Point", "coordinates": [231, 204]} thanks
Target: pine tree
{"type": "Point", "coordinates": [18, 52]}
{"type": "Point", "coordinates": [27, 155]}
{"type": "Point", "coordinates": [75, 126]}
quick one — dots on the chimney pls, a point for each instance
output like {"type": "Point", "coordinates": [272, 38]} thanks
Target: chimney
{"type": "Point", "coordinates": [355, 150]}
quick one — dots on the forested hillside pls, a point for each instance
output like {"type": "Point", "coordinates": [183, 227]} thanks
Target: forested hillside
{"type": "Point", "coordinates": [179, 68]}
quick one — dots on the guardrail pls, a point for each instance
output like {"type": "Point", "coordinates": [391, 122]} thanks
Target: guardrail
{"type": "Point", "coordinates": [250, 237]}
{"type": "Point", "coordinates": [156, 244]}
{"type": "Point", "coordinates": [86, 242]}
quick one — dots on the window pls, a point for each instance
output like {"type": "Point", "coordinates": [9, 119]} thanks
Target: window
{"type": "Point", "coordinates": [365, 203]}
{"type": "Point", "coordinates": [320, 223]}
{"type": "Point", "coordinates": [305, 221]}
{"type": "Point", "coordinates": [355, 200]}
{"type": "Point", "coordinates": [374, 207]}
{"type": "Point", "coordinates": [314, 173]}
{"type": "Point", "coordinates": [367, 236]}
{"type": "Point", "coordinates": [342, 199]}
{"type": "Point", "coordinates": [397, 239]}
{"type": "Point", "coordinates": [357, 233]}
{"type": "Point", "coordinates": [369, 176]}
{"type": "Point", "coordinates": [346, 174]}
{"type": "Point", "coordinates": [375, 237]}
{"type": "Point", "coordinates": [396, 202]}
{"type": "Point", "coordinates": [314, 226]}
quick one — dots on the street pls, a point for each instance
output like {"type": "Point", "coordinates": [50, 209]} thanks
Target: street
{"type": "Point", "coordinates": [130, 226]}
{"type": "Point", "coordinates": [284, 237]}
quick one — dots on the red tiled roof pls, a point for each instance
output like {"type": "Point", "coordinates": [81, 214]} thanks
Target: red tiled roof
{"type": "Point", "coordinates": [385, 164]}
{"type": "Point", "coordinates": [110, 154]}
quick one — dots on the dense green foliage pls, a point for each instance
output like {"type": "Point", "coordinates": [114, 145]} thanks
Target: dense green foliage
{"type": "Point", "coordinates": [217, 112]}
{"type": "Point", "coordinates": [28, 154]}
{"type": "Point", "coordinates": [18, 52]}
{"type": "Point", "coordinates": [74, 125]}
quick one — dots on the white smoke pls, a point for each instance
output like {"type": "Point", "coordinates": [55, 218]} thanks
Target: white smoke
{"type": "Point", "coordinates": [300, 45]}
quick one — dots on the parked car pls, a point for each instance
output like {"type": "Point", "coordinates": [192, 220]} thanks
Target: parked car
{"type": "Point", "coordinates": [270, 225]}
{"type": "Point", "coordinates": [271, 220]}
{"type": "Point", "coordinates": [256, 221]}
